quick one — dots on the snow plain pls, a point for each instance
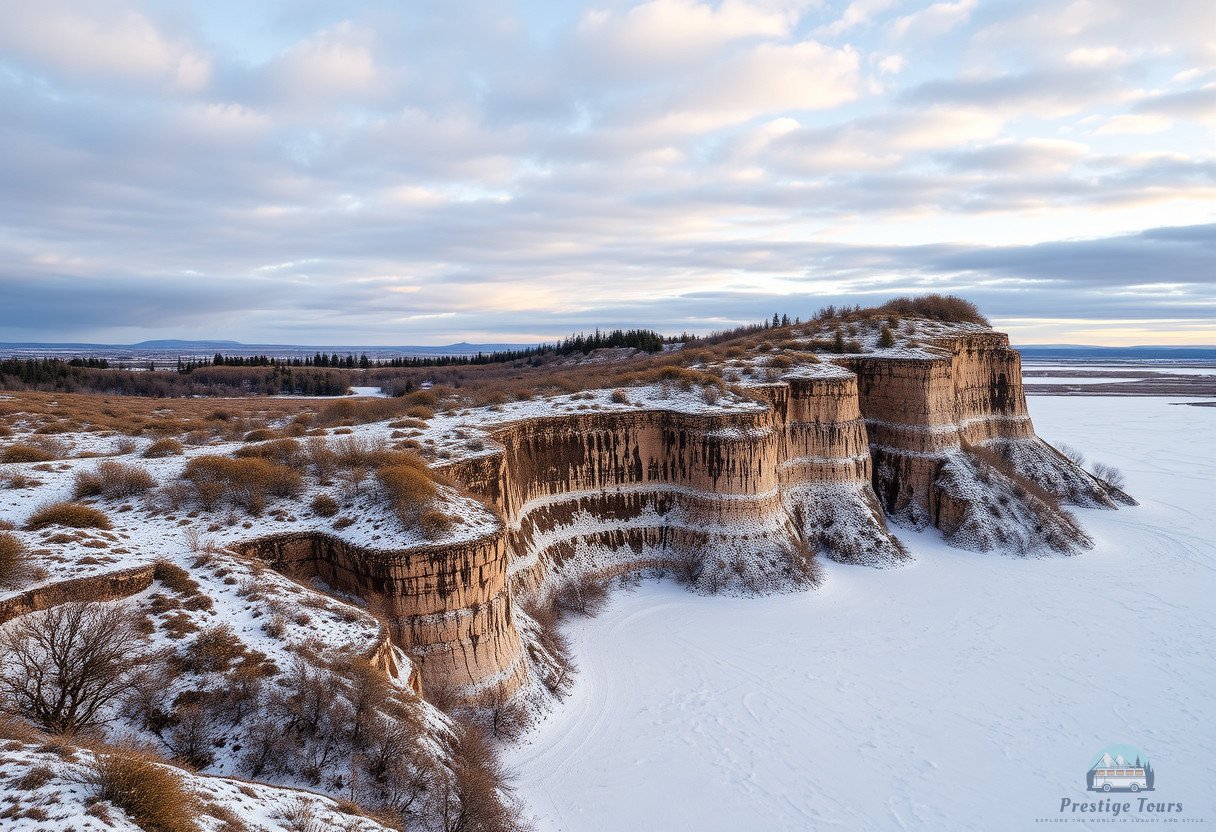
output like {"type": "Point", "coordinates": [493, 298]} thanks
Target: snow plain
{"type": "Point", "coordinates": [964, 691]}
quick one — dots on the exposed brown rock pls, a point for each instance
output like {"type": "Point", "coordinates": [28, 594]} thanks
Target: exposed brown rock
{"type": "Point", "coordinates": [729, 496]}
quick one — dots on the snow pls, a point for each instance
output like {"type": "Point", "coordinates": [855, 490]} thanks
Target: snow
{"type": "Point", "coordinates": [963, 691]}
{"type": "Point", "coordinates": [64, 799]}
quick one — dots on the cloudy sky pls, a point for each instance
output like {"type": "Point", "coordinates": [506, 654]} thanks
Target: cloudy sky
{"type": "Point", "coordinates": [418, 172]}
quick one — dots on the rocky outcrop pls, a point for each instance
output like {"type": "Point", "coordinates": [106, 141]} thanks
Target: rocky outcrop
{"type": "Point", "coordinates": [953, 446]}
{"type": "Point", "coordinates": [737, 497]}
{"type": "Point", "coordinates": [106, 586]}
{"type": "Point", "coordinates": [446, 604]}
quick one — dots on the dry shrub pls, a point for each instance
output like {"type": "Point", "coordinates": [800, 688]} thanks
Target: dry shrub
{"type": "Point", "coordinates": [163, 448]}
{"type": "Point", "coordinates": [435, 524]}
{"type": "Point", "coordinates": [936, 307]}
{"type": "Point", "coordinates": [21, 452]}
{"type": "Point", "coordinates": [282, 451]}
{"type": "Point", "coordinates": [258, 435]}
{"type": "Point", "coordinates": [66, 665]}
{"type": "Point", "coordinates": [1110, 475]}
{"type": "Point", "coordinates": [583, 594]}
{"type": "Point", "coordinates": [324, 505]}
{"type": "Point", "coordinates": [14, 561]}
{"type": "Point", "coordinates": [474, 800]}
{"type": "Point", "coordinates": [175, 578]}
{"type": "Point", "coordinates": [245, 482]}
{"type": "Point", "coordinates": [73, 515]}
{"type": "Point", "coordinates": [213, 650]}
{"type": "Point", "coordinates": [410, 489]}
{"type": "Point", "coordinates": [112, 479]}
{"type": "Point", "coordinates": [150, 793]}
{"type": "Point", "coordinates": [619, 396]}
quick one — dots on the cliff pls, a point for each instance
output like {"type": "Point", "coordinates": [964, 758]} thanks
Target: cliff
{"type": "Point", "coordinates": [953, 446]}
{"type": "Point", "coordinates": [735, 497]}
{"type": "Point", "coordinates": [738, 494]}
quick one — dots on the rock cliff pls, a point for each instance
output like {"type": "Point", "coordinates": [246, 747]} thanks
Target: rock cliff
{"type": "Point", "coordinates": [738, 497]}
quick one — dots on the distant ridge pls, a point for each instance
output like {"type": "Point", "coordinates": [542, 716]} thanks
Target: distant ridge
{"type": "Point", "coordinates": [1081, 352]}
{"type": "Point", "coordinates": [187, 348]}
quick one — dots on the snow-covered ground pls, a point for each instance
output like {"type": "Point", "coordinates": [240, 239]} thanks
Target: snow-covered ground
{"type": "Point", "coordinates": [964, 691]}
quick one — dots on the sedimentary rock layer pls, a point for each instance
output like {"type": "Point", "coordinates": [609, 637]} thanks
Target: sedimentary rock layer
{"type": "Point", "coordinates": [726, 496]}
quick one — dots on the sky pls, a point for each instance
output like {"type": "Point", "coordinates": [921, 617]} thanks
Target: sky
{"type": "Point", "coordinates": [425, 173]}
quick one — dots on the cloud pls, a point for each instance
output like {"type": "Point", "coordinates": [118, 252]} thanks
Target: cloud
{"type": "Point", "coordinates": [934, 20]}
{"type": "Point", "coordinates": [1197, 104]}
{"type": "Point", "coordinates": [409, 173]}
{"type": "Point", "coordinates": [87, 43]}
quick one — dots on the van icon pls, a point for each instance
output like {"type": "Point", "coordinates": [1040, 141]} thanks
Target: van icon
{"type": "Point", "coordinates": [1113, 773]}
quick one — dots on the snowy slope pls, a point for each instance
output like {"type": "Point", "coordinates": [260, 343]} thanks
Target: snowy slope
{"type": "Point", "coordinates": [965, 691]}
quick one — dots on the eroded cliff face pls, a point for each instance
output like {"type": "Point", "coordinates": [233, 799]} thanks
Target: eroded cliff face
{"type": "Point", "coordinates": [953, 446]}
{"type": "Point", "coordinates": [737, 497]}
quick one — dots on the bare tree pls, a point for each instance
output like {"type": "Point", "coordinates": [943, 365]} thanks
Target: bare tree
{"type": "Point", "coordinates": [61, 668]}
{"type": "Point", "coordinates": [1109, 474]}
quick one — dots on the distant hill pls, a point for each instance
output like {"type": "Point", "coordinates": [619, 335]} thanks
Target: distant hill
{"type": "Point", "coordinates": [1081, 352]}
{"type": "Point", "coordinates": [186, 348]}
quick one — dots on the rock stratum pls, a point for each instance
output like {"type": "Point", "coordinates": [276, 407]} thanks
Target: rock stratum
{"type": "Point", "coordinates": [738, 496]}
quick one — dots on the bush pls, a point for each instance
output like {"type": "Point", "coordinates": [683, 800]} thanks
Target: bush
{"type": "Point", "coordinates": [73, 515]}
{"type": "Point", "coordinates": [619, 396]}
{"type": "Point", "coordinates": [162, 448]}
{"type": "Point", "coordinates": [281, 451]}
{"type": "Point", "coordinates": [66, 665]}
{"type": "Point", "coordinates": [324, 505]}
{"type": "Point", "coordinates": [886, 338]}
{"type": "Point", "coordinates": [14, 561]}
{"type": "Point", "coordinates": [409, 488]}
{"type": "Point", "coordinates": [150, 793]}
{"type": "Point", "coordinates": [113, 480]}
{"type": "Point", "coordinates": [434, 523]}
{"type": "Point", "coordinates": [1110, 475]}
{"type": "Point", "coordinates": [936, 307]}
{"type": "Point", "coordinates": [1075, 456]}
{"type": "Point", "coordinates": [246, 482]}
{"type": "Point", "coordinates": [213, 650]}
{"type": "Point", "coordinates": [26, 453]}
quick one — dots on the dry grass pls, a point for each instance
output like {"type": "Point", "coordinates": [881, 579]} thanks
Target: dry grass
{"type": "Point", "coordinates": [244, 482]}
{"type": "Point", "coordinates": [150, 793]}
{"type": "Point", "coordinates": [113, 480]}
{"type": "Point", "coordinates": [73, 515]}
{"type": "Point", "coordinates": [435, 524]}
{"type": "Point", "coordinates": [162, 448]}
{"type": "Point", "coordinates": [410, 489]}
{"type": "Point", "coordinates": [21, 452]}
{"type": "Point", "coordinates": [324, 505]}
{"type": "Point", "coordinates": [14, 561]}
{"type": "Point", "coordinates": [280, 451]}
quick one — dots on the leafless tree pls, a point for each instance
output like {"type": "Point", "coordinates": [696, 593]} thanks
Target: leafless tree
{"type": "Point", "coordinates": [61, 668]}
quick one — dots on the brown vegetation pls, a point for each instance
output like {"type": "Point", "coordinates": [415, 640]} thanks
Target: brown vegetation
{"type": "Point", "coordinates": [324, 505]}
{"type": "Point", "coordinates": [151, 793]}
{"type": "Point", "coordinates": [73, 515]}
{"type": "Point", "coordinates": [163, 447]}
{"type": "Point", "coordinates": [113, 480]}
{"type": "Point", "coordinates": [20, 452]}
{"type": "Point", "coordinates": [243, 482]}
{"type": "Point", "coordinates": [15, 568]}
